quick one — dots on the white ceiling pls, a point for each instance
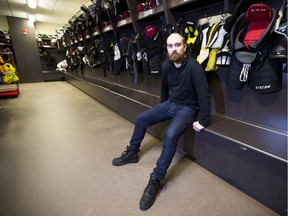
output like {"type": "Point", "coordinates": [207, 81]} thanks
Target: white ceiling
{"type": "Point", "coordinates": [53, 12]}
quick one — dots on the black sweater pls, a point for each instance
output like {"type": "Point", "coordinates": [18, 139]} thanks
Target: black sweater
{"type": "Point", "coordinates": [187, 85]}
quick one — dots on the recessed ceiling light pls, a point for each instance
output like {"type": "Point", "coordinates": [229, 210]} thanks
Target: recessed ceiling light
{"type": "Point", "coordinates": [32, 3]}
{"type": "Point", "coordinates": [31, 18]}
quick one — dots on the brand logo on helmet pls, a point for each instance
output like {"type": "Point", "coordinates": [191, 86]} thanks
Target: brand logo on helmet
{"type": "Point", "coordinates": [263, 87]}
{"type": "Point", "coordinates": [258, 9]}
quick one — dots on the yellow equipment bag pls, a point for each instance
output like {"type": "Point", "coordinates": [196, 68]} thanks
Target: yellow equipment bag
{"type": "Point", "coordinates": [10, 75]}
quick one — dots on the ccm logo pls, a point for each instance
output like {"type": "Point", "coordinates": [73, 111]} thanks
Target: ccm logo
{"type": "Point", "coordinates": [263, 87]}
{"type": "Point", "coordinates": [258, 9]}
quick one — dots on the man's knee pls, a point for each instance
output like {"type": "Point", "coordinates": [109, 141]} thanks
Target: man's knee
{"type": "Point", "coordinates": [139, 118]}
{"type": "Point", "coordinates": [171, 134]}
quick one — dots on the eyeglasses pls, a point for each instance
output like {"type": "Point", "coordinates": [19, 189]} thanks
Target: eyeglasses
{"type": "Point", "coordinates": [177, 45]}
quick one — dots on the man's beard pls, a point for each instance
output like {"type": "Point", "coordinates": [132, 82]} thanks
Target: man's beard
{"type": "Point", "coordinates": [176, 57]}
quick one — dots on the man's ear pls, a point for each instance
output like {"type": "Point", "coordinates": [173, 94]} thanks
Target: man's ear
{"type": "Point", "coordinates": [185, 47]}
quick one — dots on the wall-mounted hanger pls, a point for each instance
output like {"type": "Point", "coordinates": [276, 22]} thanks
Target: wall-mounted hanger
{"type": "Point", "coordinates": [214, 19]}
{"type": "Point", "coordinates": [208, 19]}
{"type": "Point", "coordinates": [222, 19]}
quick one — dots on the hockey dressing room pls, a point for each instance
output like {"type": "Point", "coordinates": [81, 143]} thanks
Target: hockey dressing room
{"type": "Point", "coordinates": [143, 107]}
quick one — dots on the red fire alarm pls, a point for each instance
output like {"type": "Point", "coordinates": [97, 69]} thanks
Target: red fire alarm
{"type": "Point", "coordinates": [24, 31]}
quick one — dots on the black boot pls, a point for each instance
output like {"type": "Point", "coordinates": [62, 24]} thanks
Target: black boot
{"type": "Point", "coordinates": [149, 195]}
{"type": "Point", "coordinates": [128, 156]}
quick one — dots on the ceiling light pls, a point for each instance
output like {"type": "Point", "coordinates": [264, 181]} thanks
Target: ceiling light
{"type": "Point", "coordinates": [32, 3]}
{"type": "Point", "coordinates": [31, 18]}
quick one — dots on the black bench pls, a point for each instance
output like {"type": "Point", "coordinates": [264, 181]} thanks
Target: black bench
{"type": "Point", "coordinates": [250, 157]}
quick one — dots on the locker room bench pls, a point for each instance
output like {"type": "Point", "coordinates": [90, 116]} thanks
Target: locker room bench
{"type": "Point", "coordinates": [250, 157]}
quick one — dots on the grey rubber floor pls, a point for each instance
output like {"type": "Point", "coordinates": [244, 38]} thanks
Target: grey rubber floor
{"type": "Point", "coordinates": [56, 148]}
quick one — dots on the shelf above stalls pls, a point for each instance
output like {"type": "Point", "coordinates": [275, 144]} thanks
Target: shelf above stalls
{"type": "Point", "coordinates": [48, 46]}
{"type": "Point", "coordinates": [46, 43]}
{"type": "Point", "coordinates": [5, 44]}
{"type": "Point", "coordinates": [108, 28]}
{"type": "Point", "coordinates": [188, 5]}
{"type": "Point", "coordinates": [95, 33]}
{"type": "Point", "coordinates": [124, 22]}
{"type": "Point", "coordinates": [145, 14]}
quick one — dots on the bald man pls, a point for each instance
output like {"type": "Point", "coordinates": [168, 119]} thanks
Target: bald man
{"type": "Point", "coordinates": [185, 100]}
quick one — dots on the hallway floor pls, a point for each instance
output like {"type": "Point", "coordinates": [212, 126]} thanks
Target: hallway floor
{"type": "Point", "coordinates": [56, 148]}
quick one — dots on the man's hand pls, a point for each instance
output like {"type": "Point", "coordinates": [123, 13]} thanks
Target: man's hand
{"type": "Point", "coordinates": [197, 126]}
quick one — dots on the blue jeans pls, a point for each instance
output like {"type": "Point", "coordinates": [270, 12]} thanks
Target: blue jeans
{"type": "Point", "coordinates": [182, 116]}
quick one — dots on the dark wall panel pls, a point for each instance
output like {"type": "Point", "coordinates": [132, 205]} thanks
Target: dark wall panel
{"type": "Point", "coordinates": [26, 50]}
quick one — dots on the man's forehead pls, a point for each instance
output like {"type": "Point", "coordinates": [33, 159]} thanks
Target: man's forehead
{"type": "Point", "coordinates": [174, 38]}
